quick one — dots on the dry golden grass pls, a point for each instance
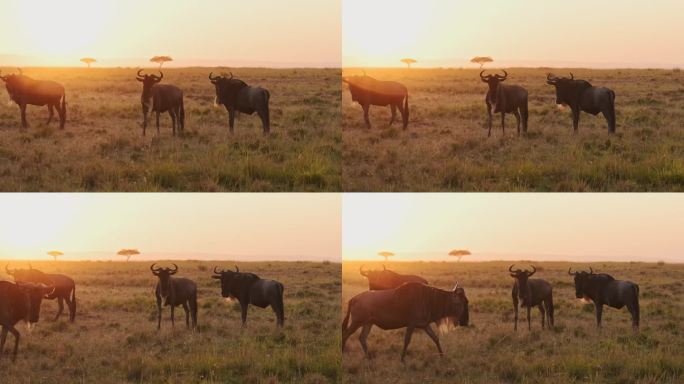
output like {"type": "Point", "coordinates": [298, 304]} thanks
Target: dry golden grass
{"type": "Point", "coordinates": [115, 337]}
{"type": "Point", "coordinates": [446, 146]}
{"type": "Point", "coordinates": [102, 147]}
{"type": "Point", "coordinates": [489, 351]}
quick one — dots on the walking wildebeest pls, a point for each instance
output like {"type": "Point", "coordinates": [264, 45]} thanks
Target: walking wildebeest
{"type": "Point", "coordinates": [368, 91]}
{"type": "Point", "coordinates": [580, 95]}
{"type": "Point", "coordinates": [411, 306]}
{"type": "Point", "coordinates": [175, 291]}
{"type": "Point", "coordinates": [249, 288]}
{"type": "Point", "coordinates": [386, 279]}
{"type": "Point", "coordinates": [65, 287]}
{"type": "Point", "coordinates": [160, 98]}
{"type": "Point", "coordinates": [531, 293]}
{"type": "Point", "coordinates": [24, 91]}
{"type": "Point", "coordinates": [19, 301]}
{"type": "Point", "coordinates": [603, 289]}
{"type": "Point", "coordinates": [505, 99]}
{"type": "Point", "coordinates": [236, 95]}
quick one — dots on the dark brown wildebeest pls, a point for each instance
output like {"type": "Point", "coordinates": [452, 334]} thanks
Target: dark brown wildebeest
{"type": "Point", "coordinates": [236, 95]}
{"type": "Point", "coordinates": [603, 289]}
{"type": "Point", "coordinates": [531, 293]}
{"type": "Point", "coordinates": [175, 291]}
{"type": "Point", "coordinates": [411, 306]}
{"type": "Point", "coordinates": [19, 301]}
{"type": "Point", "coordinates": [65, 287]}
{"type": "Point", "coordinates": [160, 98]}
{"type": "Point", "coordinates": [580, 95]}
{"type": "Point", "coordinates": [368, 91]}
{"type": "Point", "coordinates": [24, 91]}
{"type": "Point", "coordinates": [249, 288]}
{"type": "Point", "coordinates": [386, 279]}
{"type": "Point", "coordinates": [505, 99]}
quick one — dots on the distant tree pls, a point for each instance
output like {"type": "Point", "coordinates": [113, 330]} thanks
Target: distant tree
{"type": "Point", "coordinates": [482, 60]}
{"type": "Point", "coordinates": [88, 61]}
{"type": "Point", "coordinates": [127, 253]}
{"type": "Point", "coordinates": [55, 254]}
{"type": "Point", "coordinates": [459, 253]}
{"type": "Point", "coordinates": [385, 254]}
{"type": "Point", "coordinates": [161, 60]}
{"type": "Point", "coordinates": [408, 62]}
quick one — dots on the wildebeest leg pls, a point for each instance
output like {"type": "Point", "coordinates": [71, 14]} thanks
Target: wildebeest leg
{"type": "Point", "coordinates": [52, 113]}
{"type": "Point", "coordinates": [24, 123]}
{"type": "Point", "coordinates": [60, 303]}
{"type": "Point", "coordinates": [157, 112]}
{"type": "Point", "coordinates": [144, 119]}
{"type": "Point", "coordinates": [16, 342]}
{"type": "Point", "coordinates": [243, 308]}
{"type": "Point", "coordinates": [231, 120]}
{"type": "Point", "coordinates": [193, 311]}
{"type": "Point", "coordinates": [407, 341]}
{"type": "Point", "coordinates": [434, 338]}
{"type": "Point", "coordinates": [265, 120]}
{"type": "Point", "coordinates": [159, 312]}
{"type": "Point", "coordinates": [403, 112]}
{"type": "Point", "coordinates": [394, 114]}
{"type": "Point", "coordinates": [364, 335]}
{"type": "Point", "coordinates": [529, 320]}
{"type": "Point", "coordinates": [3, 338]}
{"type": "Point", "coordinates": [634, 311]}
{"type": "Point", "coordinates": [489, 119]}
{"type": "Point", "coordinates": [610, 119]}
{"type": "Point", "coordinates": [543, 315]}
{"type": "Point", "coordinates": [549, 310]}
{"type": "Point", "coordinates": [503, 123]}
{"type": "Point", "coordinates": [187, 315]}
{"type": "Point", "coordinates": [173, 320]}
{"type": "Point", "coordinates": [366, 109]}
{"type": "Point", "coordinates": [599, 313]}
{"type": "Point", "coordinates": [346, 333]}
{"type": "Point", "coordinates": [515, 309]}
{"type": "Point", "coordinates": [575, 119]}
{"type": "Point", "coordinates": [517, 118]}
{"type": "Point", "coordinates": [172, 113]}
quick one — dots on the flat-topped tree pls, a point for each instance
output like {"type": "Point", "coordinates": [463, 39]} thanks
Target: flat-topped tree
{"type": "Point", "coordinates": [408, 62]}
{"type": "Point", "coordinates": [386, 254]}
{"type": "Point", "coordinates": [88, 61]}
{"type": "Point", "coordinates": [127, 253]}
{"type": "Point", "coordinates": [161, 60]}
{"type": "Point", "coordinates": [55, 254]}
{"type": "Point", "coordinates": [459, 253]}
{"type": "Point", "coordinates": [481, 60]}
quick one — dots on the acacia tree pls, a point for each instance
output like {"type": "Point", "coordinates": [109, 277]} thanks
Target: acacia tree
{"type": "Point", "coordinates": [55, 254]}
{"type": "Point", "coordinates": [161, 60]}
{"type": "Point", "coordinates": [482, 60]}
{"type": "Point", "coordinates": [88, 61]}
{"type": "Point", "coordinates": [408, 62]}
{"type": "Point", "coordinates": [385, 254]}
{"type": "Point", "coordinates": [459, 253]}
{"type": "Point", "coordinates": [127, 253]}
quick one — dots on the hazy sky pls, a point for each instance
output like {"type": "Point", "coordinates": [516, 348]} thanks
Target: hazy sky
{"type": "Point", "coordinates": [630, 227]}
{"type": "Point", "coordinates": [211, 32]}
{"type": "Point", "coordinates": [617, 33]}
{"type": "Point", "coordinates": [244, 226]}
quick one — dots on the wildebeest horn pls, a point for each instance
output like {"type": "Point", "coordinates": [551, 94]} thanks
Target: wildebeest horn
{"type": "Point", "coordinates": [534, 270]}
{"type": "Point", "coordinates": [572, 77]}
{"type": "Point", "coordinates": [231, 76]}
{"type": "Point", "coordinates": [482, 77]}
{"type": "Point", "coordinates": [456, 286]}
{"type": "Point", "coordinates": [153, 269]}
{"type": "Point", "coordinates": [237, 269]}
{"type": "Point", "coordinates": [175, 268]}
{"type": "Point", "coordinates": [217, 272]}
{"type": "Point", "coordinates": [139, 74]}
{"type": "Point", "coordinates": [11, 273]}
{"type": "Point", "coordinates": [361, 271]}
{"type": "Point", "coordinates": [571, 273]}
{"type": "Point", "coordinates": [510, 269]}
{"type": "Point", "coordinates": [591, 270]}
{"type": "Point", "coordinates": [213, 78]}
{"type": "Point", "coordinates": [502, 77]}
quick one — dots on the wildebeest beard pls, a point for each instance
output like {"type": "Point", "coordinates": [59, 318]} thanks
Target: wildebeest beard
{"type": "Point", "coordinates": [438, 307]}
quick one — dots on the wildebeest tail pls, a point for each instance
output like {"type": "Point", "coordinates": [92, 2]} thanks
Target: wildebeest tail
{"type": "Point", "coordinates": [406, 108]}
{"type": "Point", "coordinates": [345, 323]}
{"type": "Point", "coordinates": [73, 304]}
{"type": "Point", "coordinates": [63, 107]}
{"type": "Point", "coordinates": [267, 117]}
{"type": "Point", "coordinates": [181, 118]}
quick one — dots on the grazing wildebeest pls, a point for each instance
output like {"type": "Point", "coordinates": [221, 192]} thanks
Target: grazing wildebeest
{"type": "Point", "coordinates": [411, 306]}
{"type": "Point", "coordinates": [531, 293]}
{"type": "Point", "coordinates": [580, 95]}
{"type": "Point", "coordinates": [386, 279]}
{"type": "Point", "coordinates": [19, 301]}
{"type": "Point", "coordinates": [505, 99]}
{"type": "Point", "coordinates": [249, 288]}
{"type": "Point", "coordinates": [236, 95]}
{"type": "Point", "coordinates": [24, 91]}
{"type": "Point", "coordinates": [65, 287]}
{"type": "Point", "coordinates": [175, 291]}
{"type": "Point", "coordinates": [368, 91]}
{"type": "Point", "coordinates": [603, 289]}
{"type": "Point", "coordinates": [160, 98]}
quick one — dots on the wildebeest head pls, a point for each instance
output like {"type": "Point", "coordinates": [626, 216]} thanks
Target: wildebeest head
{"type": "Point", "coordinates": [521, 276]}
{"type": "Point", "coordinates": [14, 82]}
{"type": "Point", "coordinates": [30, 275]}
{"type": "Point", "coordinates": [148, 81]}
{"type": "Point", "coordinates": [460, 296]}
{"type": "Point", "coordinates": [568, 90]}
{"type": "Point", "coordinates": [227, 88]}
{"type": "Point", "coordinates": [34, 294]}
{"type": "Point", "coordinates": [493, 80]}
{"type": "Point", "coordinates": [164, 275]}
{"type": "Point", "coordinates": [233, 283]}
{"type": "Point", "coordinates": [585, 281]}
{"type": "Point", "coordinates": [384, 278]}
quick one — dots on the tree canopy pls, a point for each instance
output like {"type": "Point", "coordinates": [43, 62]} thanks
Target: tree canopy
{"type": "Point", "coordinates": [482, 60]}
{"type": "Point", "coordinates": [161, 60]}
{"type": "Point", "coordinates": [88, 61]}
{"type": "Point", "coordinates": [459, 253]}
{"type": "Point", "coordinates": [385, 254]}
{"type": "Point", "coordinates": [408, 61]}
{"type": "Point", "coordinates": [127, 253]}
{"type": "Point", "coordinates": [55, 254]}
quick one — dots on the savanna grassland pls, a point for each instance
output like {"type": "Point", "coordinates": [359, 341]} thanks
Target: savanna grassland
{"type": "Point", "coordinates": [446, 147]}
{"type": "Point", "coordinates": [115, 340]}
{"type": "Point", "coordinates": [102, 147]}
{"type": "Point", "coordinates": [489, 351]}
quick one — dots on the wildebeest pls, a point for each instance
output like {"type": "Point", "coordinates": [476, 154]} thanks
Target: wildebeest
{"type": "Point", "coordinates": [160, 98]}
{"type": "Point", "coordinates": [368, 91]}
{"type": "Point", "coordinates": [603, 289]}
{"type": "Point", "coordinates": [19, 301]}
{"type": "Point", "coordinates": [249, 288]}
{"type": "Point", "coordinates": [411, 306]}
{"type": "Point", "coordinates": [24, 91]}
{"type": "Point", "coordinates": [386, 279]}
{"type": "Point", "coordinates": [531, 293]}
{"type": "Point", "coordinates": [65, 287]}
{"type": "Point", "coordinates": [236, 95]}
{"type": "Point", "coordinates": [505, 99]}
{"type": "Point", "coordinates": [580, 95]}
{"type": "Point", "coordinates": [175, 291]}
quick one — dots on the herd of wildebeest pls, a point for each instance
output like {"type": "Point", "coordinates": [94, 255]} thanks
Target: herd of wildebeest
{"type": "Point", "coordinates": [22, 299]}
{"type": "Point", "coordinates": [578, 94]}
{"type": "Point", "coordinates": [396, 301]}
{"type": "Point", "coordinates": [234, 94]}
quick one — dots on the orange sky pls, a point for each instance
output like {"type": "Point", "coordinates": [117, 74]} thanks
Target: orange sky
{"type": "Point", "coordinates": [195, 226]}
{"type": "Point", "coordinates": [207, 32]}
